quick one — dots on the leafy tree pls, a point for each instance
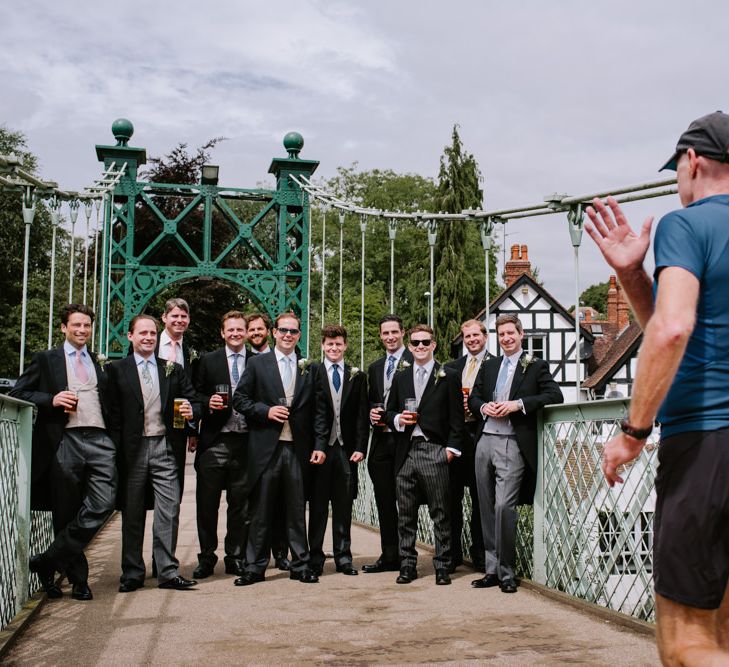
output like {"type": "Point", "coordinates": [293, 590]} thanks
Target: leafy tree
{"type": "Point", "coordinates": [595, 296]}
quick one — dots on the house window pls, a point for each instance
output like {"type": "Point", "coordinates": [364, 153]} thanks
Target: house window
{"type": "Point", "coordinates": [630, 546]}
{"type": "Point", "coordinates": [535, 345]}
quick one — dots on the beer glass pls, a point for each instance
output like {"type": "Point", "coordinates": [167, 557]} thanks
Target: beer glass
{"type": "Point", "coordinates": [178, 421]}
{"type": "Point", "coordinates": [223, 390]}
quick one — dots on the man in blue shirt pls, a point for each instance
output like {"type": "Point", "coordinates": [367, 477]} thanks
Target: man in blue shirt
{"type": "Point", "coordinates": [683, 381]}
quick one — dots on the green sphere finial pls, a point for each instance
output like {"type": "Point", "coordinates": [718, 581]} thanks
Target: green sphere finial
{"type": "Point", "coordinates": [293, 142]}
{"type": "Point", "coordinates": [122, 129]}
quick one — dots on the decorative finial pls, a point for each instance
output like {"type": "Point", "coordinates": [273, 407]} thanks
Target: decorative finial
{"type": "Point", "coordinates": [293, 142]}
{"type": "Point", "coordinates": [122, 129]}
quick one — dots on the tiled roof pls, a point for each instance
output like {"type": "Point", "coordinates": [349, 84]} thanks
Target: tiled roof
{"type": "Point", "coordinates": [627, 342]}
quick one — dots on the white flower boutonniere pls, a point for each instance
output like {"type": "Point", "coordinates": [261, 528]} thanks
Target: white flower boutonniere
{"type": "Point", "coordinates": [169, 367]}
{"type": "Point", "coordinates": [303, 365]}
{"type": "Point", "coordinates": [193, 354]}
{"type": "Point", "coordinates": [403, 365]}
{"type": "Point", "coordinates": [525, 360]}
{"type": "Point", "coordinates": [102, 360]}
{"type": "Point", "coordinates": [354, 371]}
{"type": "Point", "coordinates": [440, 374]}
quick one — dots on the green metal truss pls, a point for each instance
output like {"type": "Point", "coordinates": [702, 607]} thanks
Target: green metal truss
{"type": "Point", "coordinates": [266, 254]}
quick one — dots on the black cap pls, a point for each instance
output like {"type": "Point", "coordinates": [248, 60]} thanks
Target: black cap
{"type": "Point", "coordinates": [708, 136]}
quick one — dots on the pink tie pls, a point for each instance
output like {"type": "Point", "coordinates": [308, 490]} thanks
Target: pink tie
{"type": "Point", "coordinates": [173, 351]}
{"type": "Point", "coordinates": [81, 372]}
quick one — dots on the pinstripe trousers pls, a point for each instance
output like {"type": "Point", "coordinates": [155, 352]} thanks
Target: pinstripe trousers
{"type": "Point", "coordinates": [423, 477]}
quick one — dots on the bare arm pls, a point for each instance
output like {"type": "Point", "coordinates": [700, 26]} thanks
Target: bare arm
{"type": "Point", "coordinates": [624, 251]}
{"type": "Point", "coordinates": [664, 344]}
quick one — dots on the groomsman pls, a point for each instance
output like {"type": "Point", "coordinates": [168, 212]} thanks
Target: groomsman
{"type": "Point", "coordinates": [381, 461]}
{"type": "Point", "coordinates": [463, 469]}
{"type": "Point", "coordinates": [276, 395]}
{"type": "Point", "coordinates": [146, 389]}
{"type": "Point", "coordinates": [342, 430]}
{"type": "Point", "coordinates": [222, 457]}
{"type": "Point", "coordinates": [425, 408]}
{"type": "Point", "coordinates": [73, 469]}
{"type": "Point", "coordinates": [259, 327]}
{"type": "Point", "coordinates": [508, 394]}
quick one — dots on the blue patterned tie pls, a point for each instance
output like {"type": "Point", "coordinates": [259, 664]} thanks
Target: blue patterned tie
{"type": "Point", "coordinates": [390, 367]}
{"type": "Point", "coordinates": [336, 378]}
{"type": "Point", "coordinates": [235, 374]}
{"type": "Point", "coordinates": [503, 375]}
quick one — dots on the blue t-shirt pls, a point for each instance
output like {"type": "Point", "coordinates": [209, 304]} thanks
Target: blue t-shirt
{"type": "Point", "coordinates": [696, 238]}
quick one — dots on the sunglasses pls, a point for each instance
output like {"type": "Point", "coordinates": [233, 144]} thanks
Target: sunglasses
{"type": "Point", "coordinates": [425, 342]}
{"type": "Point", "coordinates": [285, 331]}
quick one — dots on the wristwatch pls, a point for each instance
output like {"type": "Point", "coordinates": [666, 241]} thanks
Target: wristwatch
{"type": "Point", "coordinates": [637, 433]}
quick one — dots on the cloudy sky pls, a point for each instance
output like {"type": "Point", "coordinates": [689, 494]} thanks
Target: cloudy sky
{"type": "Point", "coordinates": [564, 96]}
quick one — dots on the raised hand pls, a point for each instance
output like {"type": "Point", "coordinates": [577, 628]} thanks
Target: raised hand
{"type": "Point", "coordinates": [621, 247]}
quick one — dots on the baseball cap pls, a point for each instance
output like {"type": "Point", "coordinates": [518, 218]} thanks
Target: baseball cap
{"type": "Point", "coordinates": [708, 136]}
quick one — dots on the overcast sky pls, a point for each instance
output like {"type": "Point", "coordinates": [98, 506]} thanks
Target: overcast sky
{"type": "Point", "coordinates": [564, 96]}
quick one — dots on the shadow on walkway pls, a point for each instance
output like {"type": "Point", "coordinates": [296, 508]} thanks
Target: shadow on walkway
{"type": "Point", "coordinates": [344, 620]}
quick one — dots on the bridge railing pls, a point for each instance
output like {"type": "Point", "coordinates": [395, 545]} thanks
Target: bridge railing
{"type": "Point", "coordinates": [581, 537]}
{"type": "Point", "coordinates": [22, 532]}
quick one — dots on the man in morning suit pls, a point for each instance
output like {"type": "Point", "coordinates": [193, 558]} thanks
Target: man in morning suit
{"type": "Point", "coordinates": [463, 468]}
{"type": "Point", "coordinates": [508, 394]}
{"type": "Point", "coordinates": [259, 327]}
{"type": "Point", "coordinates": [145, 389]}
{"type": "Point", "coordinates": [381, 461]}
{"type": "Point", "coordinates": [277, 398]}
{"type": "Point", "coordinates": [73, 468]}
{"type": "Point", "coordinates": [222, 456]}
{"type": "Point", "coordinates": [429, 435]}
{"type": "Point", "coordinates": [342, 430]}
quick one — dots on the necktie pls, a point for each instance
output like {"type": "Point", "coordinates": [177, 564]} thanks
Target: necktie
{"type": "Point", "coordinates": [287, 374]}
{"type": "Point", "coordinates": [419, 382]}
{"type": "Point", "coordinates": [390, 367]}
{"type": "Point", "coordinates": [336, 378]}
{"type": "Point", "coordinates": [501, 379]}
{"type": "Point", "coordinates": [471, 371]}
{"type": "Point", "coordinates": [235, 373]}
{"type": "Point", "coordinates": [173, 351]}
{"type": "Point", "coordinates": [146, 375]}
{"type": "Point", "coordinates": [82, 375]}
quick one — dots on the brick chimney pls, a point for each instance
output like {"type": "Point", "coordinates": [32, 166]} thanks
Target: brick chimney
{"type": "Point", "coordinates": [517, 265]}
{"type": "Point", "coordinates": [623, 310]}
{"type": "Point", "coordinates": [612, 301]}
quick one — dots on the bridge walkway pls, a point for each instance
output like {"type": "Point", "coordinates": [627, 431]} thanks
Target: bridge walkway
{"type": "Point", "coordinates": [342, 620]}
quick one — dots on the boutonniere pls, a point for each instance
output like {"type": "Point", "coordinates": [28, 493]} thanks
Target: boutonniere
{"type": "Point", "coordinates": [403, 365]}
{"type": "Point", "coordinates": [440, 374]}
{"type": "Point", "coordinates": [193, 354]}
{"type": "Point", "coordinates": [303, 365]}
{"type": "Point", "coordinates": [102, 360]}
{"type": "Point", "coordinates": [525, 360]}
{"type": "Point", "coordinates": [169, 367]}
{"type": "Point", "coordinates": [354, 371]}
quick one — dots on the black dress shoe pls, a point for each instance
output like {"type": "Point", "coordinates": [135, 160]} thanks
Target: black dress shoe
{"type": "Point", "coordinates": [130, 586]}
{"type": "Point", "coordinates": [442, 578]}
{"type": "Point", "coordinates": [81, 591]}
{"type": "Point", "coordinates": [407, 574]}
{"type": "Point", "coordinates": [178, 583]}
{"type": "Point", "coordinates": [233, 567]}
{"type": "Point", "coordinates": [283, 563]}
{"type": "Point", "coordinates": [203, 571]}
{"type": "Point", "coordinates": [305, 576]}
{"type": "Point", "coordinates": [381, 566]}
{"type": "Point", "coordinates": [248, 578]}
{"type": "Point", "coordinates": [489, 581]}
{"type": "Point", "coordinates": [508, 586]}
{"type": "Point", "coordinates": [46, 573]}
{"type": "Point", "coordinates": [347, 569]}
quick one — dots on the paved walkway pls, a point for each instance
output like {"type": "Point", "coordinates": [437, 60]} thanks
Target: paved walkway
{"type": "Point", "coordinates": [342, 620]}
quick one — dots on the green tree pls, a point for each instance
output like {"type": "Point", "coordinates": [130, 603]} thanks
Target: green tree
{"type": "Point", "coordinates": [459, 286]}
{"type": "Point", "coordinates": [595, 296]}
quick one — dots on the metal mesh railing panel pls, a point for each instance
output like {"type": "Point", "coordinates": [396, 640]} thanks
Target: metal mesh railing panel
{"type": "Point", "coordinates": [41, 536]}
{"type": "Point", "coordinates": [8, 519]}
{"type": "Point", "coordinates": [598, 541]}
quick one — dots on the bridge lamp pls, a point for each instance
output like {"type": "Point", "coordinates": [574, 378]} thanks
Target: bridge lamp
{"type": "Point", "coordinates": [209, 174]}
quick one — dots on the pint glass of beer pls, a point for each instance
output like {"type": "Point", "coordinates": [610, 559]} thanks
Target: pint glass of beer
{"type": "Point", "coordinates": [411, 407]}
{"type": "Point", "coordinates": [223, 390]}
{"type": "Point", "coordinates": [178, 421]}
